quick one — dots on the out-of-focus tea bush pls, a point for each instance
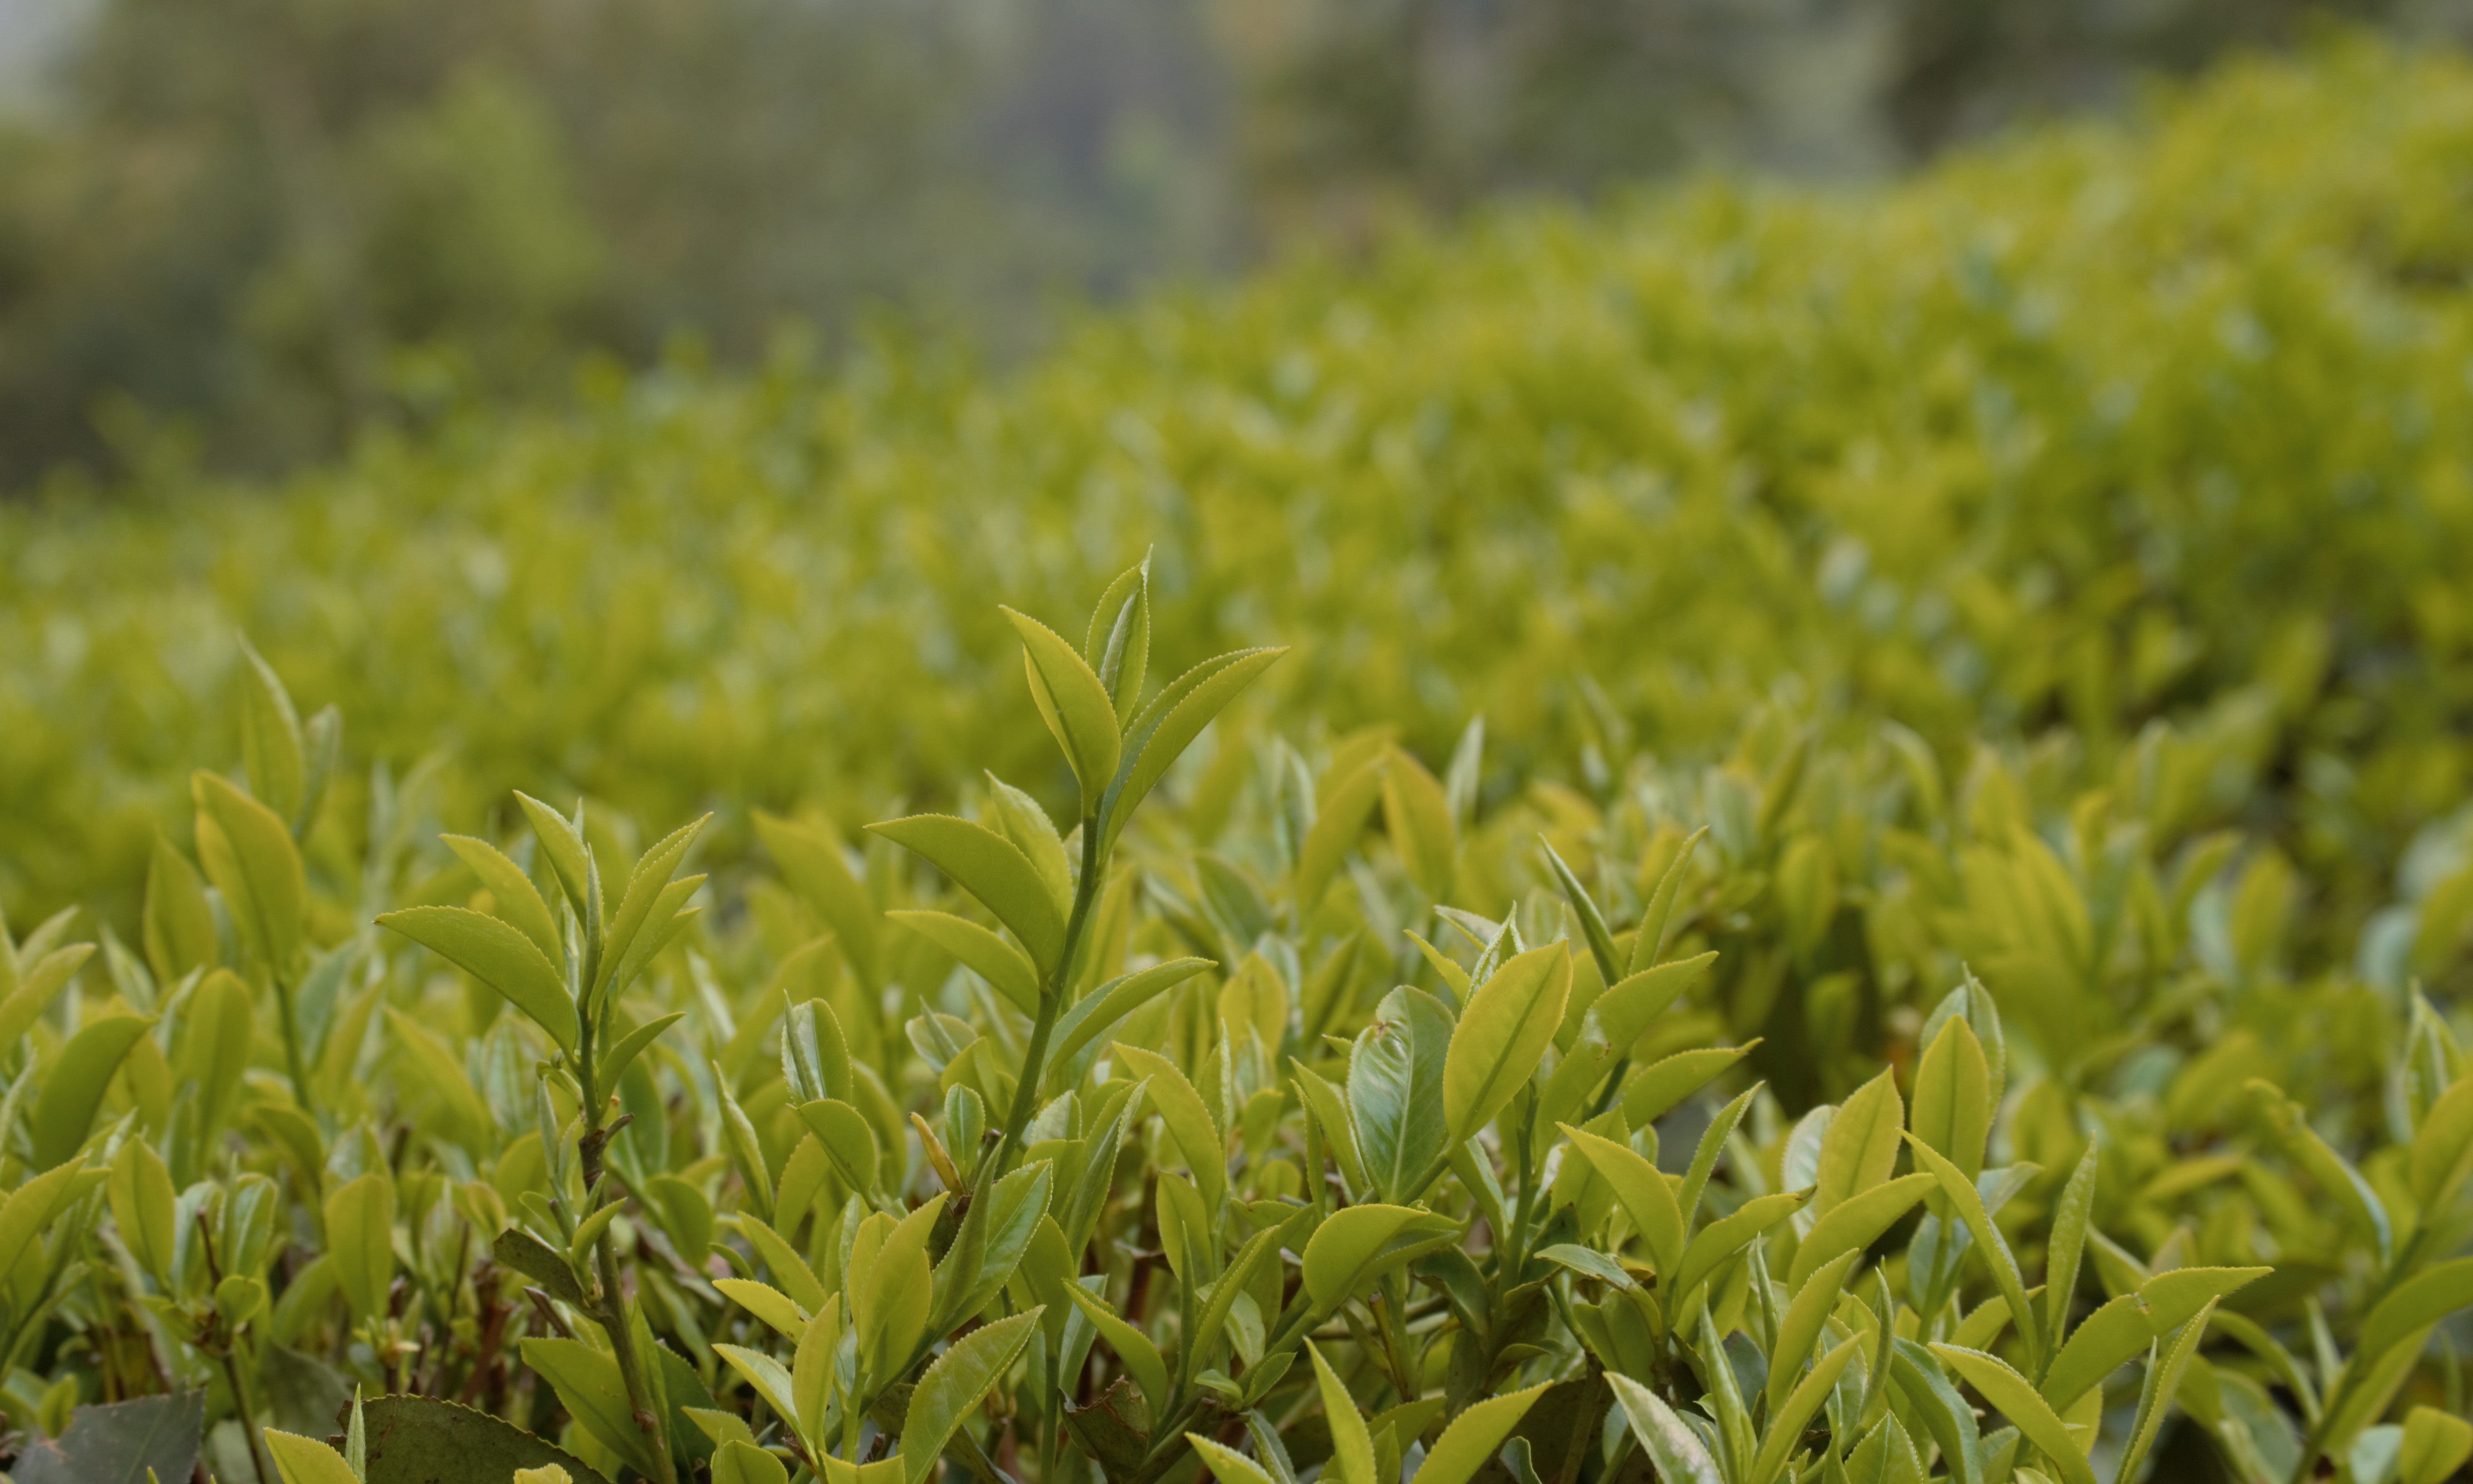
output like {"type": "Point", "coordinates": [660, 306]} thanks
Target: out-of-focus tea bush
{"type": "Point", "coordinates": [2090, 431]}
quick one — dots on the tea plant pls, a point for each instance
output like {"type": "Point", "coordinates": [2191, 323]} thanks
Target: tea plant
{"type": "Point", "coordinates": [1394, 1133]}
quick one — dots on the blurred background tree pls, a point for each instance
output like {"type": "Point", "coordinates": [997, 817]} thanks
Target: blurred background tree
{"type": "Point", "coordinates": [239, 228]}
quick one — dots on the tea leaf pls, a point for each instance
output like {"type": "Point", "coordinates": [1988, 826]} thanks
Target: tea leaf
{"type": "Point", "coordinates": [306, 1460]}
{"type": "Point", "coordinates": [1787, 1419]}
{"type": "Point", "coordinates": [1226, 1464]}
{"type": "Point", "coordinates": [992, 868]}
{"type": "Point", "coordinates": [1161, 732]}
{"type": "Point", "coordinates": [360, 1236]}
{"type": "Point", "coordinates": [1501, 1036]}
{"type": "Point", "coordinates": [74, 1083]}
{"type": "Point", "coordinates": [1076, 708]}
{"type": "Point", "coordinates": [953, 1386]}
{"type": "Point", "coordinates": [1671, 1443]}
{"type": "Point", "coordinates": [2018, 1401]}
{"type": "Point", "coordinates": [1354, 1247]}
{"type": "Point", "coordinates": [1396, 1074]}
{"type": "Point", "coordinates": [1418, 815]}
{"type": "Point", "coordinates": [1098, 1011]}
{"type": "Point", "coordinates": [1856, 1223]}
{"type": "Point", "coordinates": [999, 962]}
{"type": "Point", "coordinates": [514, 896]}
{"type": "Point", "coordinates": [498, 956]}
{"type": "Point", "coordinates": [1352, 1444]}
{"type": "Point", "coordinates": [1469, 1442]}
{"type": "Point", "coordinates": [737, 1462]}
{"type": "Point", "coordinates": [1188, 1122]}
{"type": "Point", "coordinates": [2432, 1294]}
{"type": "Point", "coordinates": [810, 858]}
{"type": "Point", "coordinates": [1140, 1357]}
{"type": "Point", "coordinates": [248, 852]}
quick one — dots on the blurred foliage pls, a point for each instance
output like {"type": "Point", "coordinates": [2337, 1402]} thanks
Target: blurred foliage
{"type": "Point", "coordinates": [264, 224]}
{"type": "Point", "coordinates": [2115, 429]}
{"type": "Point", "coordinates": [272, 221]}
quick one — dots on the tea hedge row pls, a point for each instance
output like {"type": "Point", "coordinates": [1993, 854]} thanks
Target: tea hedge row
{"type": "Point", "coordinates": [2099, 428]}
{"type": "Point", "coordinates": [1399, 1135]}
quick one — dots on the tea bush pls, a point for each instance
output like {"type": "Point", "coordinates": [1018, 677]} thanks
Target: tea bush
{"type": "Point", "coordinates": [1808, 1117]}
{"type": "Point", "coordinates": [1859, 871]}
{"type": "Point", "coordinates": [2101, 428]}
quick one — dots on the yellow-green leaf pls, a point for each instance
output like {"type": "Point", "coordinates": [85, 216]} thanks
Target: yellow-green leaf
{"type": "Point", "coordinates": [1856, 1224]}
{"type": "Point", "coordinates": [2428, 1296]}
{"type": "Point", "coordinates": [497, 955]}
{"type": "Point", "coordinates": [1227, 1464]}
{"type": "Point", "coordinates": [2442, 1148]}
{"type": "Point", "coordinates": [249, 854]}
{"type": "Point", "coordinates": [1354, 1247]}
{"type": "Point", "coordinates": [35, 994]}
{"type": "Point", "coordinates": [1469, 1442]}
{"type": "Point", "coordinates": [2436, 1445]}
{"type": "Point", "coordinates": [1418, 815]}
{"type": "Point", "coordinates": [1646, 1196]}
{"type": "Point", "coordinates": [741, 1462]}
{"type": "Point", "coordinates": [810, 858]}
{"type": "Point", "coordinates": [1725, 1236]}
{"type": "Point", "coordinates": [771, 1380]}
{"type": "Point", "coordinates": [360, 1236]}
{"type": "Point", "coordinates": [30, 1208]}
{"type": "Point", "coordinates": [1174, 717]}
{"type": "Point", "coordinates": [1815, 1298]}
{"type": "Point", "coordinates": [73, 1083]}
{"type": "Point", "coordinates": [847, 1142]}
{"type": "Point", "coordinates": [812, 1376]}
{"type": "Point", "coordinates": [954, 1385]}
{"type": "Point", "coordinates": [143, 1207]}
{"type": "Point", "coordinates": [1786, 1422]}
{"type": "Point", "coordinates": [890, 1287]}
{"type": "Point", "coordinates": [1953, 1110]}
{"type": "Point", "coordinates": [992, 868]}
{"type": "Point", "coordinates": [1958, 1189]}
{"type": "Point", "coordinates": [571, 860]}
{"type": "Point", "coordinates": [766, 1302]}
{"type": "Point", "coordinates": [999, 962]}
{"type": "Point", "coordinates": [1676, 1451]}
{"type": "Point", "coordinates": [304, 1460]}
{"type": "Point", "coordinates": [1860, 1149]}
{"type": "Point", "coordinates": [1352, 1444]}
{"type": "Point", "coordinates": [790, 1271]}
{"type": "Point", "coordinates": [2018, 1400]}
{"type": "Point", "coordinates": [1188, 1122]}
{"type": "Point", "coordinates": [1655, 1089]}
{"type": "Point", "coordinates": [518, 901]}
{"type": "Point", "coordinates": [1076, 708]}
{"type": "Point", "coordinates": [1098, 1013]}
{"type": "Point", "coordinates": [1501, 1036]}
{"type": "Point", "coordinates": [1338, 825]}
{"type": "Point", "coordinates": [178, 926]}
{"type": "Point", "coordinates": [1134, 1349]}
{"type": "Point", "coordinates": [589, 1385]}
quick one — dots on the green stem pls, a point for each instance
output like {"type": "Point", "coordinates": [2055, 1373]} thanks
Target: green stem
{"type": "Point", "coordinates": [248, 1419]}
{"type": "Point", "coordinates": [2313, 1440]}
{"type": "Point", "coordinates": [610, 1313]}
{"type": "Point", "coordinates": [1612, 1088]}
{"type": "Point", "coordinates": [1051, 1004]}
{"type": "Point", "coordinates": [622, 1342]}
{"type": "Point", "coordinates": [292, 1044]}
{"type": "Point", "coordinates": [1522, 1214]}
